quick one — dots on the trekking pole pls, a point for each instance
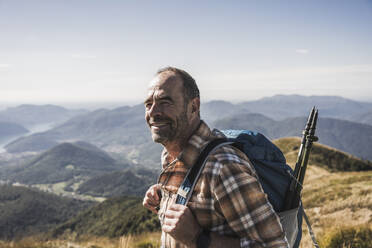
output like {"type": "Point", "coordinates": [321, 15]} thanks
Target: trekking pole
{"type": "Point", "coordinates": [309, 143]}
{"type": "Point", "coordinates": [292, 188]}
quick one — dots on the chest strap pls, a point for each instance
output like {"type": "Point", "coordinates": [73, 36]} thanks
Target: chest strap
{"type": "Point", "coordinates": [185, 190]}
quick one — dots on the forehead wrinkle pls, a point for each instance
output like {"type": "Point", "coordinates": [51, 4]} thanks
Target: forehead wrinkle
{"type": "Point", "coordinates": [158, 95]}
{"type": "Point", "coordinates": [160, 83]}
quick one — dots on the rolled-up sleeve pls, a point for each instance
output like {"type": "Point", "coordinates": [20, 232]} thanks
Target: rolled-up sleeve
{"type": "Point", "coordinates": [240, 198]}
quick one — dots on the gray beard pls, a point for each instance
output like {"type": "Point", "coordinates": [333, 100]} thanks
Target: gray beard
{"type": "Point", "coordinates": [172, 134]}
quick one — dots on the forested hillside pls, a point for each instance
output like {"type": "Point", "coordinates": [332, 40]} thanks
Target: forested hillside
{"type": "Point", "coordinates": [112, 218]}
{"type": "Point", "coordinates": [25, 211]}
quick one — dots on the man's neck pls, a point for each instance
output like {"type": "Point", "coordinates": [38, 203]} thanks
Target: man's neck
{"type": "Point", "coordinates": [175, 148]}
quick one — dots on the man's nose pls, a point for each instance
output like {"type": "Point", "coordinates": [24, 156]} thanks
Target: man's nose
{"type": "Point", "coordinates": [154, 110]}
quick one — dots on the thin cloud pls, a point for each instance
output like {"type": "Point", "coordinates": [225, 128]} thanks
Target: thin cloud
{"type": "Point", "coordinates": [302, 51]}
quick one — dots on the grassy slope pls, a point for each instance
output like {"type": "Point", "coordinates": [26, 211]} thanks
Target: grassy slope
{"type": "Point", "coordinates": [332, 198]}
{"type": "Point", "coordinates": [323, 156]}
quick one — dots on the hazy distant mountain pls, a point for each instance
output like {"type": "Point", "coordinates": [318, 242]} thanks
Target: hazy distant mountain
{"type": "Point", "coordinates": [213, 110]}
{"type": "Point", "coordinates": [130, 182]}
{"type": "Point", "coordinates": [33, 143]}
{"type": "Point", "coordinates": [64, 162]}
{"type": "Point", "coordinates": [25, 211]}
{"type": "Point", "coordinates": [31, 115]}
{"type": "Point", "coordinates": [8, 129]}
{"type": "Point", "coordinates": [280, 107]}
{"type": "Point", "coordinates": [351, 137]}
{"type": "Point", "coordinates": [123, 125]}
{"type": "Point", "coordinates": [123, 130]}
{"type": "Point", "coordinates": [283, 106]}
{"type": "Point", "coordinates": [39, 142]}
{"type": "Point", "coordinates": [365, 118]}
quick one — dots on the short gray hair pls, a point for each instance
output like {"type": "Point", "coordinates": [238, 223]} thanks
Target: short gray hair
{"type": "Point", "coordinates": [191, 89]}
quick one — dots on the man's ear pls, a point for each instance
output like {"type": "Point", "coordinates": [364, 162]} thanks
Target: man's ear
{"type": "Point", "coordinates": [195, 105]}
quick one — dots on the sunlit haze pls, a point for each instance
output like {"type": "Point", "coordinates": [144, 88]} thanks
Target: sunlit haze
{"type": "Point", "coordinates": [56, 51]}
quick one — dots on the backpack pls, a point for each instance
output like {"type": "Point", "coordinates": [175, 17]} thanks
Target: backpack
{"type": "Point", "coordinates": [272, 170]}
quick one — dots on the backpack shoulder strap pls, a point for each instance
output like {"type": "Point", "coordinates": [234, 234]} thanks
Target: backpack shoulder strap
{"type": "Point", "coordinates": [185, 190]}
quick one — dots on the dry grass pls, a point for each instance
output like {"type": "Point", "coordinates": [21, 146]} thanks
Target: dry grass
{"type": "Point", "coordinates": [146, 240]}
{"type": "Point", "coordinates": [336, 200]}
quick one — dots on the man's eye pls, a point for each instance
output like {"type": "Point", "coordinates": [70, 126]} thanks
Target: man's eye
{"type": "Point", "coordinates": [148, 105]}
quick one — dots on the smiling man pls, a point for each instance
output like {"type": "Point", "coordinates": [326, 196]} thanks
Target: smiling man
{"type": "Point", "coordinates": [228, 207]}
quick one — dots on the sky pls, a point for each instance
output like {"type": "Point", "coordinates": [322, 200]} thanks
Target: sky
{"type": "Point", "coordinates": [80, 51]}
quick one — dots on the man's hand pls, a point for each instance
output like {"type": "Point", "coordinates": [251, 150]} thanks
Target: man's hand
{"type": "Point", "coordinates": [152, 198]}
{"type": "Point", "coordinates": [180, 223]}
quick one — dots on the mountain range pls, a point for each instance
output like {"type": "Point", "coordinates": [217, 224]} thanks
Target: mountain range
{"type": "Point", "coordinates": [351, 137]}
{"type": "Point", "coordinates": [29, 115]}
{"type": "Point", "coordinates": [280, 107]}
{"type": "Point", "coordinates": [8, 129]}
{"type": "Point", "coordinates": [123, 132]}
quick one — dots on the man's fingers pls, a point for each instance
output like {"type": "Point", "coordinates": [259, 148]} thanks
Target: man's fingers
{"type": "Point", "coordinates": [172, 214]}
{"type": "Point", "coordinates": [157, 188]}
{"type": "Point", "coordinates": [177, 207]}
{"type": "Point", "coordinates": [170, 222]}
{"type": "Point", "coordinates": [154, 194]}
{"type": "Point", "coordinates": [167, 229]}
{"type": "Point", "coordinates": [151, 201]}
{"type": "Point", "coordinates": [150, 207]}
{"type": "Point", "coordinates": [169, 225]}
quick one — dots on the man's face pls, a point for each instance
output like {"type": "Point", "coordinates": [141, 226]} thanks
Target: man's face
{"type": "Point", "coordinates": [166, 110]}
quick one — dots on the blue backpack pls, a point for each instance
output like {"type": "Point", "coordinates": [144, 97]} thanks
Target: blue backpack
{"type": "Point", "coordinates": [274, 175]}
{"type": "Point", "coordinates": [273, 172]}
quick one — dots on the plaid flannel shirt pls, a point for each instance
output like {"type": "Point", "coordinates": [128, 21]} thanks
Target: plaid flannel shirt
{"type": "Point", "coordinates": [227, 198]}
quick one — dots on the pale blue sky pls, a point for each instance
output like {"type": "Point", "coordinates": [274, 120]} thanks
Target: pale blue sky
{"type": "Point", "coordinates": [70, 51]}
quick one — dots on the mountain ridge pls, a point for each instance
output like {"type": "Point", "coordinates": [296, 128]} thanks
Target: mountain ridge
{"type": "Point", "coordinates": [29, 115]}
{"type": "Point", "coordinates": [351, 137]}
{"type": "Point", "coordinates": [323, 156]}
{"type": "Point", "coordinates": [63, 162]}
{"type": "Point", "coordinates": [123, 130]}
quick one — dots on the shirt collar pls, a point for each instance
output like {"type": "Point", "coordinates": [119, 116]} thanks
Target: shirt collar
{"type": "Point", "coordinates": [195, 145]}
